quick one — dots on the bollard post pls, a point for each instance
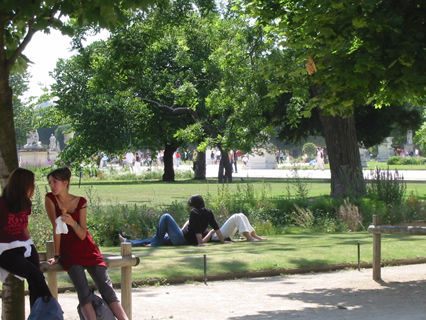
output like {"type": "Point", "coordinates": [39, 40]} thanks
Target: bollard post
{"type": "Point", "coordinates": [52, 276]}
{"type": "Point", "coordinates": [126, 281]}
{"type": "Point", "coordinates": [359, 256]}
{"type": "Point", "coordinates": [205, 269]}
{"type": "Point", "coordinates": [377, 258]}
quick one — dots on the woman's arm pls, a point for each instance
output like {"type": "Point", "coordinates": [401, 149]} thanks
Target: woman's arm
{"type": "Point", "coordinates": [199, 237]}
{"type": "Point", "coordinates": [208, 237]}
{"type": "Point", "coordinates": [220, 235]}
{"type": "Point", "coordinates": [80, 227]}
{"type": "Point", "coordinates": [185, 224]}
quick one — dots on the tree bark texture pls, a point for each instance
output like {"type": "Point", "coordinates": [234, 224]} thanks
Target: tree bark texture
{"type": "Point", "coordinates": [225, 169]}
{"type": "Point", "coordinates": [343, 153]}
{"type": "Point", "coordinates": [169, 171]}
{"type": "Point", "coordinates": [8, 152]}
{"type": "Point", "coordinates": [13, 299]}
{"type": "Point", "coordinates": [199, 166]}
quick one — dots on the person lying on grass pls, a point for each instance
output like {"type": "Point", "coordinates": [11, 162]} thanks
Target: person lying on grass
{"type": "Point", "coordinates": [237, 222]}
{"type": "Point", "coordinates": [191, 233]}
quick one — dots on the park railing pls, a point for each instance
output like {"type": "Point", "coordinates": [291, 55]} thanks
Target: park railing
{"type": "Point", "coordinates": [377, 229]}
{"type": "Point", "coordinates": [13, 297]}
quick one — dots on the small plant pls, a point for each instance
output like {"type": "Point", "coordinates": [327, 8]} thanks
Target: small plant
{"type": "Point", "coordinates": [349, 214]}
{"type": "Point", "coordinates": [386, 186]}
{"type": "Point", "coordinates": [299, 185]}
{"type": "Point", "coordinates": [303, 217]}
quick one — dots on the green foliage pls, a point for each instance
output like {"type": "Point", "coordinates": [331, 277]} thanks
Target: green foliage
{"type": "Point", "coordinates": [309, 148]}
{"type": "Point", "coordinates": [404, 161]}
{"type": "Point", "coordinates": [389, 188]}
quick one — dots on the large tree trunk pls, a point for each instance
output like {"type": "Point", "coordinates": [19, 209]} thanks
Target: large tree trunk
{"type": "Point", "coordinates": [169, 171]}
{"type": "Point", "coordinates": [199, 166]}
{"type": "Point", "coordinates": [343, 153]}
{"type": "Point", "coordinates": [225, 169]}
{"type": "Point", "coordinates": [8, 152]}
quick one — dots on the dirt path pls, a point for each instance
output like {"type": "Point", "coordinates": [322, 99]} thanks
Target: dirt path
{"type": "Point", "coordinates": [332, 295]}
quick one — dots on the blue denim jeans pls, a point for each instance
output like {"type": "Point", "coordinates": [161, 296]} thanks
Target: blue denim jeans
{"type": "Point", "coordinates": [174, 236]}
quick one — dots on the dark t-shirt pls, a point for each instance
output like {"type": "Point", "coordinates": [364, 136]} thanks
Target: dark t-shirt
{"type": "Point", "coordinates": [199, 220]}
{"type": "Point", "coordinates": [12, 224]}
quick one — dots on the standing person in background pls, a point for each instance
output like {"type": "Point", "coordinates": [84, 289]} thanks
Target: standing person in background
{"type": "Point", "coordinates": [177, 155]}
{"type": "Point", "coordinates": [130, 159]}
{"type": "Point", "coordinates": [18, 254]}
{"type": "Point", "coordinates": [76, 250]}
{"type": "Point", "coordinates": [320, 158]}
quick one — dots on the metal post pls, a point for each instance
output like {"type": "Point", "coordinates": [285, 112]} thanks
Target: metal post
{"type": "Point", "coordinates": [205, 269]}
{"type": "Point", "coordinates": [359, 256]}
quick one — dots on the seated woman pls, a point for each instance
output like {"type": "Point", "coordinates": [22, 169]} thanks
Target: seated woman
{"type": "Point", "coordinates": [200, 218]}
{"type": "Point", "coordinates": [237, 222]}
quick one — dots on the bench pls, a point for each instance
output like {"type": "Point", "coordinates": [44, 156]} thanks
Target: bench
{"type": "Point", "coordinates": [377, 229]}
{"type": "Point", "coordinates": [13, 297]}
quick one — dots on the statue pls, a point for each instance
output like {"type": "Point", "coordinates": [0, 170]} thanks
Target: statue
{"type": "Point", "coordinates": [52, 145]}
{"type": "Point", "coordinates": [409, 137]}
{"type": "Point", "coordinates": [32, 141]}
{"type": "Point", "coordinates": [58, 147]}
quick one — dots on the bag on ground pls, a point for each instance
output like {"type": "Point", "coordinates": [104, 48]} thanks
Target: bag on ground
{"type": "Point", "coordinates": [102, 310]}
{"type": "Point", "coordinates": [46, 308]}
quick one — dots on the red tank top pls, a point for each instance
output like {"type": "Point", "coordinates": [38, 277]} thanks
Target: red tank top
{"type": "Point", "coordinates": [75, 251]}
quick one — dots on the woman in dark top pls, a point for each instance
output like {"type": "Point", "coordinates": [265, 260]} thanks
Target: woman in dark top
{"type": "Point", "coordinates": [200, 218]}
{"type": "Point", "coordinates": [18, 254]}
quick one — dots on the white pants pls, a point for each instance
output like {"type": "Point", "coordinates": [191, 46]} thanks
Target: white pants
{"type": "Point", "coordinates": [237, 222]}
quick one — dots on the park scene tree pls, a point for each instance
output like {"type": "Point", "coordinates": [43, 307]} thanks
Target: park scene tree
{"type": "Point", "coordinates": [227, 77]}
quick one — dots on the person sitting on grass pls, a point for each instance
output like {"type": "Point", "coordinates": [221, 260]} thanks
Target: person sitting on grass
{"type": "Point", "coordinates": [191, 233]}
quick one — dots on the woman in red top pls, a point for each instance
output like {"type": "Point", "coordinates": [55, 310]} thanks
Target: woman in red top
{"type": "Point", "coordinates": [18, 254]}
{"type": "Point", "coordinates": [76, 250]}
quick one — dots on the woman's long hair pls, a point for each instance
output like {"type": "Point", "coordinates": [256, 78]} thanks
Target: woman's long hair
{"type": "Point", "coordinates": [18, 189]}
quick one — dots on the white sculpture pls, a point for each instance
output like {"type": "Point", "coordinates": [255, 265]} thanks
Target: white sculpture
{"type": "Point", "coordinates": [409, 137]}
{"type": "Point", "coordinates": [52, 145]}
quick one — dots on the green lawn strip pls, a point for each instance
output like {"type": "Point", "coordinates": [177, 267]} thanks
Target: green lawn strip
{"type": "Point", "coordinates": [277, 253]}
{"type": "Point", "coordinates": [161, 193]}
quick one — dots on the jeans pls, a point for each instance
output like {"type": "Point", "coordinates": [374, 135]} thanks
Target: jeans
{"type": "Point", "coordinates": [167, 225]}
{"type": "Point", "coordinates": [100, 277]}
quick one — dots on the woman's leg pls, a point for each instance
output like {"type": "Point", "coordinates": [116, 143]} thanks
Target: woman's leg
{"type": "Point", "coordinates": [137, 242]}
{"type": "Point", "coordinates": [249, 227]}
{"type": "Point", "coordinates": [103, 282]}
{"type": "Point", "coordinates": [29, 268]}
{"type": "Point", "coordinates": [168, 225]}
{"type": "Point", "coordinates": [85, 295]}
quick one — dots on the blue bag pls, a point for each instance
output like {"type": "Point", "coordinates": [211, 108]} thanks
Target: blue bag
{"type": "Point", "coordinates": [46, 308]}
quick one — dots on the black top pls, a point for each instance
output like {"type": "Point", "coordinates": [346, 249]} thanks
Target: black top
{"type": "Point", "coordinates": [199, 220]}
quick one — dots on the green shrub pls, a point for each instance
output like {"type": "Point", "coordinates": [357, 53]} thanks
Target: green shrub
{"type": "Point", "coordinates": [393, 161]}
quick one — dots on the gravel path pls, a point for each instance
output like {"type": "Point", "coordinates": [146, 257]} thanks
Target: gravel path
{"type": "Point", "coordinates": [348, 294]}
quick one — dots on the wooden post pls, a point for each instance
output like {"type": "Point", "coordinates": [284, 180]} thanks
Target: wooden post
{"type": "Point", "coordinates": [377, 258]}
{"type": "Point", "coordinates": [52, 276]}
{"type": "Point", "coordinates": [126, 281]}
{"type": "Point", "coordinates": [13, 299]}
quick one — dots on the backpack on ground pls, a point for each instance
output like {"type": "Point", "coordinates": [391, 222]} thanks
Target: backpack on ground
{"type": "Point", "coordinates": [102, 310]}
{"type": "Point", "coordinates": [46, 308]}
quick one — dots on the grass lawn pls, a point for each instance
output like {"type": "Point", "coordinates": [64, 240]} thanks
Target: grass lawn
{"type": "Point", "coordinates": [152, 193]}
{"type": "Point", "coordinates": [277, 253]}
